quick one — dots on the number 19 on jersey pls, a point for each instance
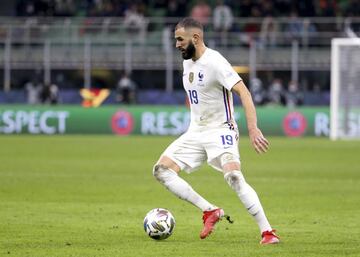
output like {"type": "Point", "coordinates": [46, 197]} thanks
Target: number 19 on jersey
{"type": "Point", "coordinates": [193, 97]}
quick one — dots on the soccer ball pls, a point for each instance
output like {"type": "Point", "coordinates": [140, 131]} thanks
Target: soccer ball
{"type": "Point", "coordinates": [159, 223]}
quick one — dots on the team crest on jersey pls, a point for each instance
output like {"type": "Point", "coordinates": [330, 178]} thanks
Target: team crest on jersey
{"type": "Point", "coordinates": [201, 76]}
{"type": "Point", "coordinates": [191, 77]}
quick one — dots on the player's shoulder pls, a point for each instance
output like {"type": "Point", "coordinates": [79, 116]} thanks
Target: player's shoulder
{"type": "Point", "coordinates": [214, 54]}
{"type": "Point", "coordinates": [216, 59]}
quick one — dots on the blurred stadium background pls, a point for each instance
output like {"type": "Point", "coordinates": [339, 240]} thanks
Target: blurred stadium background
{"type": "Point", "coordinates": [117, 53]}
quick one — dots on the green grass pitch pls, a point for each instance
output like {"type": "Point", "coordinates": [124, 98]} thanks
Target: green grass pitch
{"type": "Point", "coordinates": [87, 196]}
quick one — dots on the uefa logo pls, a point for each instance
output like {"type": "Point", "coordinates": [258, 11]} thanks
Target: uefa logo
{"type": "Point", "coordinates": [122, 123]}
{"type": "Point", "coordinates": [294, 124]}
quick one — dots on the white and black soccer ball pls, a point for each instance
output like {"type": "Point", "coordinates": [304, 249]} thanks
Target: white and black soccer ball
{"type": "Point", "coordinates": [159, 223]}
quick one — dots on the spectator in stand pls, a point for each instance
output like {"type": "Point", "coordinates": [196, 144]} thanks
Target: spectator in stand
{"type": "Point", "coordinates": [294, 26]}
{"type": "Point", "coordinates": [222, 20]}
{"type": "Point", "coordinates": [269, 32]}
{"type": "Point", "coordinates": [32, 92]}
{"type": "Point", "coordinates": [201, 12]}
{"type": "Point", "coordinates": [49, 94]}
{"type": "Point", "coordinates": [276, 94]}
{"type": "Point", "coordinates": [301, 30]}
{"type": "Point", "coordinates": [293, 96]}
{"type": "Point", "coordinates": [135, 23]}
{"type": "Point", "coordinates": [125, 90]}
{"type": "Point", "coordinates": [252, 27]}
{"type": "Point", "coordinates": [257, 91]}
{"type": "Point", "coordinates": [308, 32]}
{"type": "Point", "coordinates": [175, 8]}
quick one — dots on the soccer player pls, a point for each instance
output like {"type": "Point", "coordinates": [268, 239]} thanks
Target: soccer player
{"type": "Point", "coordinates": [212, 136]}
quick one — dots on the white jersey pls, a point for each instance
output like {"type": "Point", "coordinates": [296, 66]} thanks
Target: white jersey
{"type": "Point", "coordinates": [208, 82]}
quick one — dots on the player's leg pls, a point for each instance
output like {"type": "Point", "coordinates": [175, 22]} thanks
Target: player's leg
{"type": "Point", "coordinates": [232, 173]}
{"type": "Point", "coordinates": [166, 172]}
{"type": "Point", "coordinates": [186, 153]}
{"type": "Point", "coordinates": [245, 192]}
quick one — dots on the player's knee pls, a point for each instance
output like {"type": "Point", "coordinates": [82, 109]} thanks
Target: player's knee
{"type": "Point", "coordinates": [235, 179]}
{"type": "Point", "coordinates": [229, 162]}
{"type": "Point", "coordinates": [159, 171]}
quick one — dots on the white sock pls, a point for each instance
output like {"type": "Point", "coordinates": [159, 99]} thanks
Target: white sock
{"type": "Point", "coordinates": [180, 187]}
{"type": "Point", "coordinates": [248, 197]}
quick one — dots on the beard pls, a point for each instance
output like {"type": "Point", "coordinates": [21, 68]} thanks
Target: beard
{"type": "Point", "coordinates": [189, 52]}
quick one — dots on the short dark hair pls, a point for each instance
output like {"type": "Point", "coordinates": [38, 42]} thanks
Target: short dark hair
{"type": "Point", "coordinates": [189, 23]}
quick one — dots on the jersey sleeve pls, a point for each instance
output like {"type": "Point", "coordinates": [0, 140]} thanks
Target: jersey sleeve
{"type": "Point", "coordinates": [225, 74]}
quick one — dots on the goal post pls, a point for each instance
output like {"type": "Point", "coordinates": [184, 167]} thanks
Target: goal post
{"type": "Point", "coordinates": [345, 89]}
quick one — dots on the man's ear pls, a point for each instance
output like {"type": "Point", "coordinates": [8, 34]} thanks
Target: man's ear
{"type": "Point", "coordinates": [195, 39]}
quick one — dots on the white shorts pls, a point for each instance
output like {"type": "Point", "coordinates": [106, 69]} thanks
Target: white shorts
{"type": "Point", "coordinates": [192, 149]}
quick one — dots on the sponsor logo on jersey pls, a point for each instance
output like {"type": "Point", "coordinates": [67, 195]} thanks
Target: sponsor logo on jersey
{"type": "Point", "coordinates": [191, 77]}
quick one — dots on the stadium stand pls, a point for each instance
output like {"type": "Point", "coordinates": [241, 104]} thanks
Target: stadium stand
{"type": "Point", "coordinates": [58, 40]}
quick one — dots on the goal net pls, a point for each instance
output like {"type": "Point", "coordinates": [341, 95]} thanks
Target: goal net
{"type": "Point", "coordinates": [345, 89]}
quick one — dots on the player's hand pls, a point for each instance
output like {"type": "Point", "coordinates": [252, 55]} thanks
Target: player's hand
{"type": "Point", "coordinates": [259, 142]}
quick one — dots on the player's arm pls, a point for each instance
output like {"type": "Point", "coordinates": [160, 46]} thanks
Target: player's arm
{"type": "Point", "coordinates": [259, 142]}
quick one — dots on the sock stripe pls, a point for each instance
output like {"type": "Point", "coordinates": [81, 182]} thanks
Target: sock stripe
{"type": "Point", "coordinates": [250, 207]}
